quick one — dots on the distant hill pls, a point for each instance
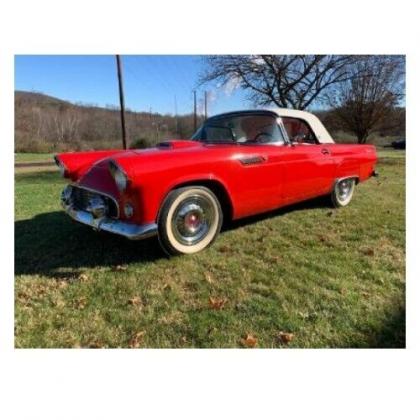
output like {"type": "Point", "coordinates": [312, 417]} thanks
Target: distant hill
{"type": "Point", "coordinates": [47, 124]}
{"type": "Point", "coordinates": [36, 98]}
{"type": "Point", "coordinates": [44, 123]}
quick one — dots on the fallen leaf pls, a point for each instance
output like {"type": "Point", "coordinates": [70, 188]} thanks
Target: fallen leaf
{"type": "Point", "coordinates": [81, 303]}
{"type": "Point", "coordinates": [209, 278]}
{"type": "Point", "coordinates": [96, 344]}
{"type": "Point", "coordinates": [215, 303]}
{"type": "Point", "coordinates": [135, 301]}
{"type": "Point", "coordinates": [224, 249]}
{"type": "Point", "coordinates": [59, 302]}
{"type": "Point", "coordinates": [249, 341]}
{"type": "Point", "coordinates": [83, 277]}
{"type": "Point", "coordinates": [285, 337]}
{"type": "Point", "coordinates": [136, 340]}
{"type": "Point", "coordinates": [370, 252]}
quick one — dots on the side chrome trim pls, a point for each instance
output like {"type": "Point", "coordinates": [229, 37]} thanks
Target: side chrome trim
{"type": "Point", "coordinates": [128, 230]}
{"type": "Point", "coordinates": [252, 160]}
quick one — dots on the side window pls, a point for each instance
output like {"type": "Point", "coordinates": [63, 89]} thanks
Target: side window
{"type": "Point", "coordinates": [299, 131]}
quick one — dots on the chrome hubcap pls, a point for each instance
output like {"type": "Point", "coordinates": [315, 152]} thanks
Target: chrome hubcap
{"type": "Point", "coordinates": [344, 189]}
{"type": "Point", "coordinates": [192, 219]}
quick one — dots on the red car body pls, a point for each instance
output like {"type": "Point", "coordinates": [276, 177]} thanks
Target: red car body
{"type": "Point", "coordinates": [247, 178]}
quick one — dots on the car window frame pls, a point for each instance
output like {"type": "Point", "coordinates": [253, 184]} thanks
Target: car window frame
{"type": "Point", "coordinates": [302, 120]}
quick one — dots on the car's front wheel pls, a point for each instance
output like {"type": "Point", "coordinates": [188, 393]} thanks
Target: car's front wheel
{"type": "Point", "coordinates": [189, 220]}
{"type": "Point", "coordinates": [343, 192]}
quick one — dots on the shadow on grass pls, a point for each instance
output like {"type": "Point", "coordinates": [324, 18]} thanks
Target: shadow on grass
{"type": "Point", "coordinates": [315, 203]}
{"type": "Point", "coordinates": [392, 332]}
{"type": "Point", "coordinates": [50, 244]}
{"type": "Point", "coordinates": [389, 334]}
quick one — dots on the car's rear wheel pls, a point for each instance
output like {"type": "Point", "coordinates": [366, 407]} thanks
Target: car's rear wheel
{"type": "Point", "coordinates": [189, 220]}
{"type": "Point", "coordinates": [343, 192]}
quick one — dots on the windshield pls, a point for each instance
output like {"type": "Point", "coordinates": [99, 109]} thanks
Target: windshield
{"type": "Point", "coordinates": [240, 128]}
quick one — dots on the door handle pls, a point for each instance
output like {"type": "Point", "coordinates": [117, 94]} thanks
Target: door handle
{"type": "Point", "coordinates": [325, 151]}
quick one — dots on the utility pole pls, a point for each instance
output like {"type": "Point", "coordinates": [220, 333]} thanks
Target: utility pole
{"type": "Point", "coordinates": [122, 106]}
{"type": "Point", "coordinates": [205, 104]}
{"type": "Point", "coordinates": [176, 116]}
{"type": "Point", "coordinates": [195, 111]}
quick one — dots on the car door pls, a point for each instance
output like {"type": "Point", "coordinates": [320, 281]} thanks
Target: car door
{"type": "Point", "coordinates": [308, 165]}
{"type": "Point", "coordinates": [259, 178]}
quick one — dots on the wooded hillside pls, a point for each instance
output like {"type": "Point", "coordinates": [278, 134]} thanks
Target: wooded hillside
{"type": "Point", "coordinates": [47, 124]}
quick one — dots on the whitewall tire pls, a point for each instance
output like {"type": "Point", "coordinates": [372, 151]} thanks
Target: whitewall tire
{"type": "Point", "coordinates": [342, 192]}
{"type": "Point", "coordinates": [189, 220]}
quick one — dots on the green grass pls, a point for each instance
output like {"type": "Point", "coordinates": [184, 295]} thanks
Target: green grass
{"type": "Point", "coordinates": [333, 278]}
{"type": "Point", "coordinates": [33, 157]}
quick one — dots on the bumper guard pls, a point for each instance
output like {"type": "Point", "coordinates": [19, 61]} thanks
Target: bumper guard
{"type": "Point", "coordinates": [128, 230]}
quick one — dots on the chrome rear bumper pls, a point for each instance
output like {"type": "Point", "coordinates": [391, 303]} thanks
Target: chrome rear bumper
{"type": "Point", "coordinates": [98, 221]}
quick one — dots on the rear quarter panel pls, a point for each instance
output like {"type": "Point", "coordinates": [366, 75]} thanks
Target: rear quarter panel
{"type": "Point", "coordinates": [354, 160]}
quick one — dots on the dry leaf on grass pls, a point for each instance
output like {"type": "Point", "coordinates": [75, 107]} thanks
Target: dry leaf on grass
{"type": "Point", "coordinates": [369, 252]}
{"type": "Point", "coordinates": [135, 301]}
{"type": "Point", "coordinates": [285, 338]}
{"type": "Point", "coordinates": [96, 344]}
{"type": "Point", "coordinates": [83, 277]}
{"type": "Point", "coordinates": [249, 341]}
{"type": "Point", "coordinates": [215, 303]}
{"type": "Point", "coordinates": [209, 278]}
{"type": "Point", "coordinates": [224, 249]}
{"type": "Point", "coordinates": [81, 303]}
{"type": "Point", "coordinates": [136, 340]}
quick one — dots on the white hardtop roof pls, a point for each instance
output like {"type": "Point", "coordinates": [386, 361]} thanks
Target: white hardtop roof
{"type": "Point", "coordinates": [318, 128]}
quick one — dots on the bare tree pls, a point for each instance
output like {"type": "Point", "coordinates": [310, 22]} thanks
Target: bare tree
{"type": "Point", "coordinates": [291, 81]}
{"type": "Point", "coordinates": [364, 101]}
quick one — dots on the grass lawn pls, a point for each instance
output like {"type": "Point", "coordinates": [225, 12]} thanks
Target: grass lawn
{"type": "Point", "coordinates": [33, 157]}
{"type": "Point", "coordinates": [332, 278]}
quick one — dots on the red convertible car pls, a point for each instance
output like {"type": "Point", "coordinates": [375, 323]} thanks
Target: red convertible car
{"type": "Point", "coordinates": [237, 164]}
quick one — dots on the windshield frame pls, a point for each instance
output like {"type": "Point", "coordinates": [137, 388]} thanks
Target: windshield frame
{"type": "Point", "coordinates": [208, 121]}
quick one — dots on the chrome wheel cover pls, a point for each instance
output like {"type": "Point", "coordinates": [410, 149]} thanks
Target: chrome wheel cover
{"type": "Point", "coordinates": [344, 189]}
{"type": "Point", "coordinates": [192, 219]}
